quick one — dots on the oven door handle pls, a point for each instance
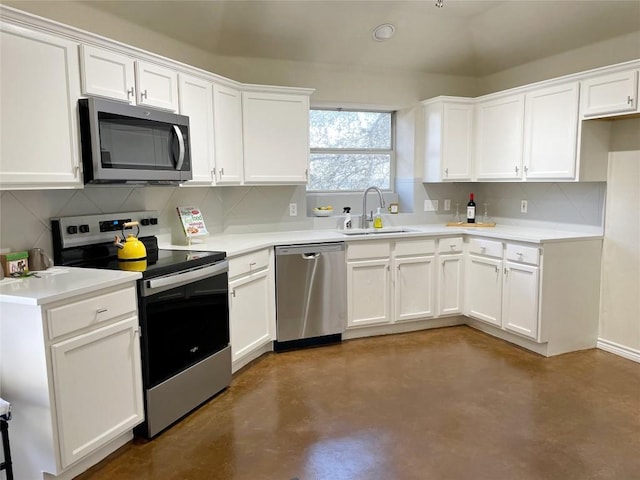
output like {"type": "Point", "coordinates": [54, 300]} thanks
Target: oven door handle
{"type": "Point", "coordinates": [179, 279]}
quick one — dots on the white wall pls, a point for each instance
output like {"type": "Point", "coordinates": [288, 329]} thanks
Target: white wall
{"type": "Point", "coordinates": [615, 50]}
{"type": "Point", "coordinates": [620, 288]}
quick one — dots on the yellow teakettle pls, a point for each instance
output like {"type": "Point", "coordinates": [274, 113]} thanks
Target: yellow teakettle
{"type": "Point", "coordinates": [132, 250]}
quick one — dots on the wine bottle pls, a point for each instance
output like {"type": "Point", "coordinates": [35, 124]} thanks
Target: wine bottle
{"type": "Point", "coordinates": [471, 210]}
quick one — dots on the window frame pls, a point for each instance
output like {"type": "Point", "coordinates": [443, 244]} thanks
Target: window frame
{"type": "Point", "coordinates": [391, 151]}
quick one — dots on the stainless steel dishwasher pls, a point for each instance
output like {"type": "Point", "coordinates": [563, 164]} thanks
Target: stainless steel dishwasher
{"type": "Point", "coordinates": [311, 296]}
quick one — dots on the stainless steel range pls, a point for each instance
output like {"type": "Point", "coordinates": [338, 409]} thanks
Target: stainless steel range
{"type": "Point", "coordinates": [182, 305]}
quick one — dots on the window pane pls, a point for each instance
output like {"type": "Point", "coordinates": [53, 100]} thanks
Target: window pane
{"type": "Point", "coordinates": [354, 130]}
{"type": "Point", "coordinates": [349, 171]}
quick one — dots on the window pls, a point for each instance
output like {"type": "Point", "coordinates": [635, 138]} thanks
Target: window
{"type": "Point", "coordinates": [350, 150]}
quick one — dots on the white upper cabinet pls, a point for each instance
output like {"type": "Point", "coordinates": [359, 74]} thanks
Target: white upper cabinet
{"type": "Point", "coordinates": [499, 138]}
{"type": "Point", "coordinates": [120, 77]}
{"type": "Point", "coordinates": [551, 129]}
{"type": "Point", "coordinates": [448, 125]}
{"type": "Point", "coordinates": [610, 94]}
{"type": "Point", "coordinates": [156, 86]}
{"type": "Point", "coordinates": [40, 78]}
{"type": "Point", "coordinates": [227, 125]}
{"type": "Point", "coordinates": [196, 101]}
{"type": "Point", "coordinates": [107, 74]}
{"type": "Point", "coordinates": [276, 137]}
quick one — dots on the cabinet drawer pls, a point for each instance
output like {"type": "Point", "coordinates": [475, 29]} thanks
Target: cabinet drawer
{"type": "Point", "coordinates": [248, 263]}
{"type": "Point", "coordinates": [415, 247]}
{"type": "Point", "coordinates": [450, 245]}
{"type": "Point", "coordinates": [481, 246]}
{"type": "Point", "coordinates": [91, 311]}
{"type": "Point", "coordinates": [522, 254]}
{"type": "Point", "coordinates": [376, 249]}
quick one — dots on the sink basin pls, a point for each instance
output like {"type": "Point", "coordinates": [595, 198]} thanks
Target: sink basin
{"type": "Point", "coordinates": [375, 231]}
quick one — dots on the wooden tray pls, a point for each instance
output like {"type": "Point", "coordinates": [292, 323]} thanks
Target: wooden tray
{"type": "Point", "coordinates": [477, 224]}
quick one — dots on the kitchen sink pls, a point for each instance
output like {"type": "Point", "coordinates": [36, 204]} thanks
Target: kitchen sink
{"type": "Point", "coordinates": [375, 231]}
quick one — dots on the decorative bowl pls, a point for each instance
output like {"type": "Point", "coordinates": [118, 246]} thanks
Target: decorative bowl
{"type": "Point", "coordinates": [322, 213]}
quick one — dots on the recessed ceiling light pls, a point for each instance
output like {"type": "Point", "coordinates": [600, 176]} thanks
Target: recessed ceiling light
{"type": "Point", "coordinates": [383, 32]}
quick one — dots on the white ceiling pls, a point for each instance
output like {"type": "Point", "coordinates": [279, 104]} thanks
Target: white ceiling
{"type": "Point", "coordinates": [465, 37]}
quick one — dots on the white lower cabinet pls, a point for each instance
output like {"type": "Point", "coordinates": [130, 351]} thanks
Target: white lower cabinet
{"type": "Point", "coordinates": [90, 413]}
{"type": "Point", "coordinates": [413, 288]}
{"type": "Point", "coordinates": [413, 280]}
{"type": "Point", "coordinates": [483, 292]}
{"type": "Point", "coordinates": [368, 283]}
{"type": "Point", "coordinates": [520, 299]}
{"type": "Point", "coordinates": [251, 303]}
{"type": "Point", "coordinates": [502, 285]}
{"type": "Point", "coordinates": [450, 275]}
{"type": "Point", "coordinates": [74, 379]}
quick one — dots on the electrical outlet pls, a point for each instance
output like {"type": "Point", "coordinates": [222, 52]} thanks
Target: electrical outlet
{"type": "Point", "coordinates": [435, 205]}
{"type": "Point", "coordinates": [523, 206]}
{"type": "Point", "coordinates": [293, 209]}
{"type": "Point", "coordinates": [447, 205]}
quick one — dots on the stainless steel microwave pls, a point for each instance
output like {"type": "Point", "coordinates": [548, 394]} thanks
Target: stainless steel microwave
{"type": "Point", "coordinates": [134, 145]}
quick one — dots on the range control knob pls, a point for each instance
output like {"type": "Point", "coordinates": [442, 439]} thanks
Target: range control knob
{"type": "Point", "coordinates": [153, 220]}
{"type": "Point", "coordinates": [72, 229]}
{"type": "Point", "coordinates": [144, 221]}
{"type": "Point", "coordinates": [84, 228]}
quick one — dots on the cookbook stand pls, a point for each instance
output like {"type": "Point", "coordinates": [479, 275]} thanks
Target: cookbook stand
{"type": "Point", "coordinates": [193, 225]}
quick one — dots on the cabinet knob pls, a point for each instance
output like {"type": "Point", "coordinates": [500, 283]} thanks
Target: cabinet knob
{"type": "Point", "coordinates": [143, 95]}
{"type": "Point", "coordinates": [630, 100]}
{"type": "Point", "coordinates": [130, 93]}
{"type": "Point", "coordinates": [446, 172]}
{"type": "Point", "coordinates": [101, 310]}
{"type": "Point", "coordinates": [233, 293]}
{"type": "Point", "coordinates": [517, 169]}
{"type": "Point", "coordinates": [526, 169]}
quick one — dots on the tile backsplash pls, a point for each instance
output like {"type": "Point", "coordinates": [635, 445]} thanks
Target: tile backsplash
{"type": "Point", "coordinates": [24, 215]}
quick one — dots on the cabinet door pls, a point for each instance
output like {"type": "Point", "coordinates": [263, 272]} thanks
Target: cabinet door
{"type": "Point", "coordinates": [107, 74]}
{"type": "Point", "coordinates": [368, 292]}
{"type": "Point", "coordinates": [39, 90]}
{"type": "Point", "coordinates": [196, 101]}
{"type": "Point", "coordinates": [156, 86]}
{"type": "Point", "coordinates": [614, 93]}
{"type": "Point", "coordinates": [499, 138]}
{"type": "Point", "coordinates": [413, 288]}
{"type": "Point", "coordinates": [98, 388]}
{"type": "Point", "coordinates": [250, 314]}
{"type": "Point", "coordinates": [520, 299]}
{"type": "Point", "coordinates": [450, 284]}
{"type": "Point", "coordinates": [483, 289]}
{"type": "Point", "coordinates": [457, 141]}
{"type": "Point", "coordinates": [448, 141]}
{"type": "Point", "coordinates": [551, 128]}
{"type": "Point", "coordinates": [276, 138]}
{"type": "Point", "coordinates": [227, 124]}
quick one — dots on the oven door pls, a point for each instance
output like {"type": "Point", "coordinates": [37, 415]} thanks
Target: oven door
{"type": "Point", "coordinates": [184, 319]}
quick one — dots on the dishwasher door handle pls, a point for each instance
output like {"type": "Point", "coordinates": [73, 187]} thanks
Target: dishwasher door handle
{"type": "Point", "coordinates": [310, 256]}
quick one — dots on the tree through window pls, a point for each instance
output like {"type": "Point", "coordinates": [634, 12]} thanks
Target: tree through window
{"type": "Point", "coordinates": [350, 150]}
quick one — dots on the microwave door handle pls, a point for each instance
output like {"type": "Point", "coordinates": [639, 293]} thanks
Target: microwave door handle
{"type": "Point", "coordinates": [181, 145]}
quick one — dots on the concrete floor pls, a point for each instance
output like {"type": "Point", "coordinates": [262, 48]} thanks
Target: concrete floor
{"type": "Point", "coordinates": [449, 403]}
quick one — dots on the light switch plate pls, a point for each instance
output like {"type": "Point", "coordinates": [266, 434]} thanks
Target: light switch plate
{"type": "Point", "coordinates": [447, 205]}
{"type": "Point", "coordinates": [293, 209]}
{"type": "Point", "coordinates": [523, 206]}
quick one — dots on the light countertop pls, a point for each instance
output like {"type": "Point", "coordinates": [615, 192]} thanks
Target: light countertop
{"type": "Point", "coordinates": [60, 283]}
{"type": "Point", "coordinates": [240, 243]}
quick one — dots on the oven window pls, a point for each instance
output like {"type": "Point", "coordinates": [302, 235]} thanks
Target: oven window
{"type": "Point", "coordinates": [182, 326]}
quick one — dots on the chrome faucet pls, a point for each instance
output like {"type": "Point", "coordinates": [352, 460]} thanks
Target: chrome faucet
{"type": "Point", "coordinates": [363, 221]}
